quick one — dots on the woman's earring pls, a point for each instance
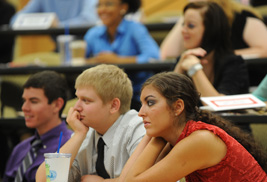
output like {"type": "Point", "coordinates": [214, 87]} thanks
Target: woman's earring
{"type": "Point", "coordinates": [176, 114]}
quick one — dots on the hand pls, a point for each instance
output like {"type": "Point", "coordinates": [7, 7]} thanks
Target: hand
{"type": "Point", "coordinates": [91, 60]}
{"type": "Point", "coordinates": [73, 120]}
{"type": "Point", "coordinates": [91, 178]}
{"type": "Point", "coordinates": [107, 57]}
{"type": "Point", "coordinates": [190, 58]}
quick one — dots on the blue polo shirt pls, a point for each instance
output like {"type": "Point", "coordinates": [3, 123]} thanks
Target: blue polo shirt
{"type": "Point", "coordinates": [132, 39]}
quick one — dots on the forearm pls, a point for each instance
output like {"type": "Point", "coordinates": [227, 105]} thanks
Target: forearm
{"type": "Point", "coordinates": [146, 159]}
{"type": "Point", "coordinates": [126, 59]}
{"type": "Point", "coordinates": [172, 45]}
{"type": "Point", "coordinates": [203, 85]}
{"type": "Point", "coordinates": [72, 147]}
{"type": "Point", "coordinates": [133, 157]}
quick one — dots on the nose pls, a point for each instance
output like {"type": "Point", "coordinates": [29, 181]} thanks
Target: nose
{"type": "Point", "coordinates": [77, 105]}
{"type": "Point", "coordinates": [184, 30]}
{"type": "Point", "coordinates": [141, 111]}
{"type": "Point", "coordinates": [25, 106]}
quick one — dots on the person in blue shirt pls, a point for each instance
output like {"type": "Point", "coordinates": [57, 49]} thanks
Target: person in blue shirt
{"type": "Point", "coordinates": [69, 12]}
{"type": "Point", "coordinates": [121, 41]}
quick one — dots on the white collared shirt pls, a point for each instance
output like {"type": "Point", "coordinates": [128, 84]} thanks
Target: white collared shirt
{"type": "Point", "coordinates": [121, 140]}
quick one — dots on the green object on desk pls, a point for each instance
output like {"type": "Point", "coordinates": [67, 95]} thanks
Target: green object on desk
{"type": "Point", "coordinates": [261, 91]}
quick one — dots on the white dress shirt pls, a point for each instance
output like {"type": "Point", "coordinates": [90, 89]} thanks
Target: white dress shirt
{"type": "Point", "coordinates": [121, 140]}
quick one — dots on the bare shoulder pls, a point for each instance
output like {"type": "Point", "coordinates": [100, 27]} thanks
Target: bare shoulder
{"type": "Point", "coordinates": [206, 137]}
{"type": "Point", "coordinates": [254, 22]}
{"type": "Point", "coordinates": [208, 145]}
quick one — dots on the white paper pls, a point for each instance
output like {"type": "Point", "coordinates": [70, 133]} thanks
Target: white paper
{"type": "Point", "coordinates": [33, 21]}
{"type": "Point", "coordinates": [232, 102]}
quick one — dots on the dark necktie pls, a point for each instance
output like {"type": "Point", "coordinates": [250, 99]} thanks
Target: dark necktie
{"type": "Point", "coordinates": [100, 167]}
{"type": "Point", "coordinates": [28, 160]}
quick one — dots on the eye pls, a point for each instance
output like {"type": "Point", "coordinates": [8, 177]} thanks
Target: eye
{"type": "Point", "coordinates": [190, 25]}
{"type": "Point", "coordinates": [85, 100]}
{"type": "Point", "coordinates": [150, 102]}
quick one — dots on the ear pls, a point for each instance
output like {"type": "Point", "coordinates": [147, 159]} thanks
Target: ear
{"type": "Point", "coordinates": [178, 107]}
{"type": "Point", "coordinates": [58, 104]}
{"type": "Point", "coordinates": [124, 9]}
{"type": "Point", "coordinates": [115, 105]}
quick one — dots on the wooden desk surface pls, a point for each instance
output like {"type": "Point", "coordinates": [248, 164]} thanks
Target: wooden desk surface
{"type": "Point", "coordinates": [237, 119]}
{"type": "Point", "coordinates": [6, 30]}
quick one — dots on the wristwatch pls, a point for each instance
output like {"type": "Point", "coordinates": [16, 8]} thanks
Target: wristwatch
{"type": "Point", "coordinates": [194, 69]}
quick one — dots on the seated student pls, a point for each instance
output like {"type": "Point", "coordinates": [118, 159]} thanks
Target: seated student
{"type": "Point", "coordinates": [102, 112]}
{"type": "Point", "coordinates": [182, 141]}
{"type": "Point", "coordinates": [243, 20]}
{"type": "Point", "coordinates": [261, 90]}
{"type": "Point", "coordinates": [69, 12]}
{"type": "Point", "coordinates": [44, 96]}
{"type": "Point", "coordinates": [121, 41]}
{"type": "Point", "coordinates": [215, 71]}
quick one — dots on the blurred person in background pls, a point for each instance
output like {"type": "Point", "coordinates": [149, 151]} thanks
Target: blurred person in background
{"type": "Point", "coordinates": [248, 32]}
{"type": "Point", "coordinates": [209, 59]}
{"type": "Point", "coordinates": [69, 12]}
{"type": "Point", "coordinates": [121, 41]}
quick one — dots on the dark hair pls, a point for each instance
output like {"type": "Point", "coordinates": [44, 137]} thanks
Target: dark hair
{"type": "Point", "coordinates": [133, 5]}
{"type": "Point", "coordinates": [217, 28]}
{"type": "Point", "coordinates": [53, 84]}
{"type": "Point", "coordinates": [174, 86]}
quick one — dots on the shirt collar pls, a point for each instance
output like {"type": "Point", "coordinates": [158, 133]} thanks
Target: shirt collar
{"type": "Point", "coordinates": [51, 134]}
{"type": "Point", "coordinates": [108, 136]}
{"type": "Point", "coordinates": [120, 30]}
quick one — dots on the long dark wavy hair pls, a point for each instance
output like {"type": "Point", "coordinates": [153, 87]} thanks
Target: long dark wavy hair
{"type": "Point", "coordinates": [174, 86]}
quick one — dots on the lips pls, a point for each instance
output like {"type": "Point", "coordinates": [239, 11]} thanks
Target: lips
{"type": "Point", "coordinates": [146, 124]}
{"type": "Point", "coordinates": [186, 37]}
{"type": "Point", "coordinates": [28, 117]}
{"type": "Point", "coordinates": [80, 117]}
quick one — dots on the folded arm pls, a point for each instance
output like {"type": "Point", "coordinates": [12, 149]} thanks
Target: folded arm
{"type": "Point", "coordinates": [255, 35]}
{"type": "Point", "coordinates": [194, 152]}
{"type": "Point", "coordinates": [72, 146]}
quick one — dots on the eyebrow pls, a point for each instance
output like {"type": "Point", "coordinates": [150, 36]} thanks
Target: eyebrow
{"type": "Point", "coordinates": [148, 97]}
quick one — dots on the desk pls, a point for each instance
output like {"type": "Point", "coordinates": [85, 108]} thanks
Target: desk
{"type": "Point", "coordinates": [68, 69]}
{"type": "Point", "coordinates": [6, 30]}
{"type": "Point", "coordinates": [18, 123]}
{"type": "Point", "coordinates": [256, 67]}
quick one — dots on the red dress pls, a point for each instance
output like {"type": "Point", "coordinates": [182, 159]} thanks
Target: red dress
{"type": "Point", "coordinates": [238, 165]}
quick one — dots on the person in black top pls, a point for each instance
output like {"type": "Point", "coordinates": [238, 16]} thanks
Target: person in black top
{"type": "Point", "coordinates": [249, 33]}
